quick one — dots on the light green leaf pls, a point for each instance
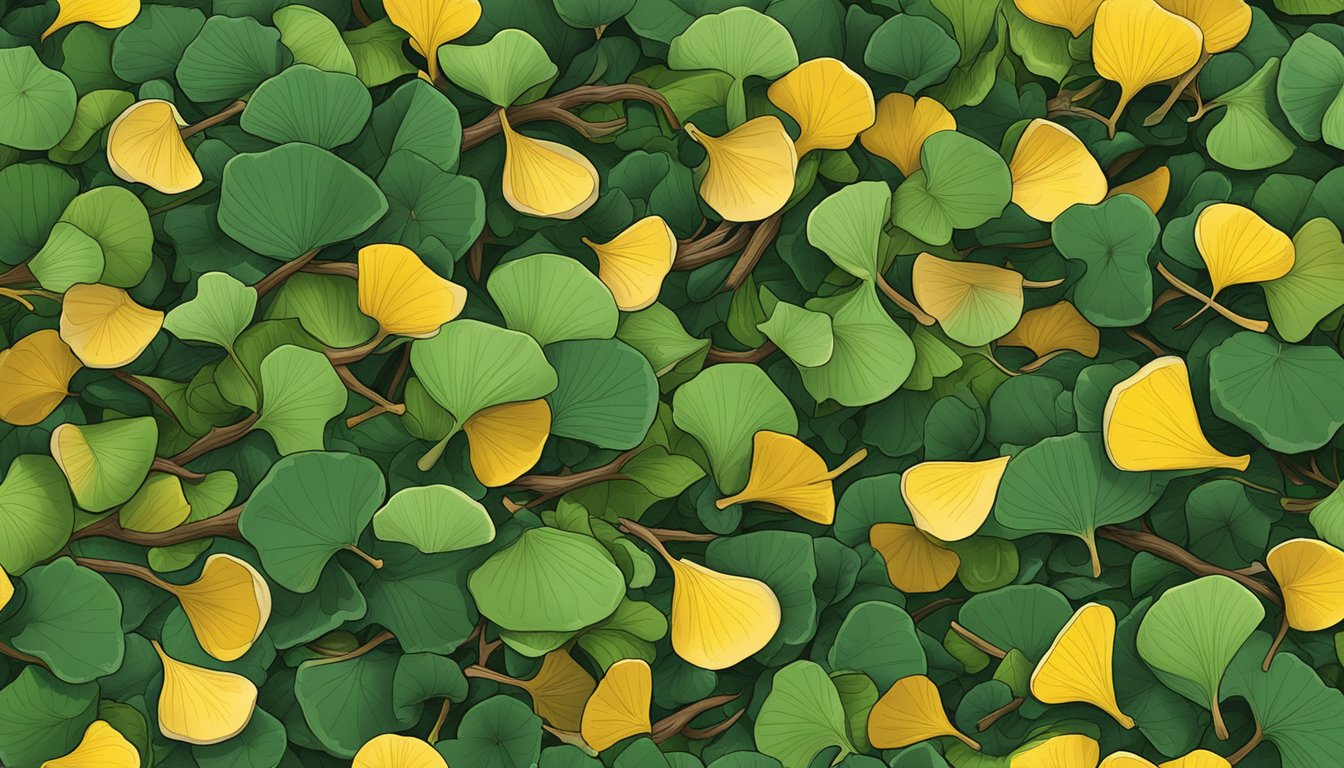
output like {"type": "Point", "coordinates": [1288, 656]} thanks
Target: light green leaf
{"type": "Point", "coordinates": [847, 226]}
{"type": "Point", "coordinates": [38, 103]}
{"type": "Point", "coordinates": [802, 334]}
{"type": "Point", "coordinates": [548, 580]}
{"type": "Point", "coordinates": [553, 298]}
{"type": "Point", "coordinates": [723, 408]}
{"type": "Point", "coordinates": [801, 716]}
{"type": "Point", "coordinates": [36, 516]}
{"type": "Point", "coordinates": [1290, 397]}
{"type": "Point", "coordinates": [434, 518]}
{"type": "Point", "coordinates": [1314, 287]}
{"type": "Point", "coordinates": [961, 184]}
{"type": "Point", "coordinates": [741, 42]}
{"type": "Point", "coordinates": [506, 367]}
{"type": "Point", "coordinates": [221, 309]}
{"type": "Point", "coordinates": [313, 39]}
{"type": "Point", "coordinates": [501, 70]}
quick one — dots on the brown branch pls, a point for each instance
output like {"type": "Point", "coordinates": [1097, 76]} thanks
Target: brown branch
{"type": "Point", "coordinates": [703, 734]}
{"type": "Point", "coordinates": [1146, 342]}
{"type": "Point", "coordinates": [362, 16]}
{"type": "Point", "coordinates": [166, 466]}
{"type": "Point", "coordinates": [120, 568]}
{"type": "Point", "coordinates": [756, 355]}
{"type": "Point", "coordinates": [353, 384]}
{"type": "Point", "coordinates": [761, 237]}
{"type": "Point", "coordinates": [552, 486]}
{"type": "Point", "coordinates": [19, 275]}
{"type": "Point", "coordinates": [223, 115]}
{"type": "Point", "coordinates": [1142, 541]}
{"type": "Point", "coordinates": [984, 723]}
{"type": "Point", "coordinates": [281, 273]}
{"type": "Point", "coordinates": [673, 534]}
{"type": "Point", "coordinates": [377, 640]}
{"type": "Point", "coordinates": [225, 525]}
{"type": "Point", "coordinates": [673, 724]}
{"type": "Point", "coordinates": [339, 268]}
{"type": "Point", "coordinates": [556, 108]}
{"type": "Point", "coordinates": [217, 437]}
{"type": "Point", "coordinates": [344, 356]}
{"type": "Point", "coordinates": [148, 392]}
{"type": "Point", "coordinates": [716, 245]}
{"type": "Point", "coordinates": [15, 653]}
{"type": "Point", "coordinates": [476, 254]}
{"type": "Point", "coordinates": [978, 642]}
{"type": "Point", "coordinates": [925, 611]}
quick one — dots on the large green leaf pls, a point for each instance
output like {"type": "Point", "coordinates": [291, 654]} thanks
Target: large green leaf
{"type": "Point", "coordinates": [1294, 708]}
{"type": "Point", "coordinates": [38, 103]}
{"type": "Point", "coordinates": [553, 298]}
{"type": "Point", "coordinates": [723, 408]}
{"type": "Point", "coordinates": [606, 393]}
{"type": "Point", "coordinates": [220, 311]}
{"type": "Point", "coordinates": [36, 515]}
{"type": "Point", "coordinates": [230, 57]}
{"type": "Point", "coordinates": [501, 70]}
{"type": "Point", "coordinates": [1113, 239]}
{"type": "Point", "coordinates": [880, 640]}
{"type": "Point", "coordinates": [118, 221]}
{"type": "Point", "coordinates": [346, 703]}
{"type": "Point", "coordinates": [913, 48]}
{"type": "Point", "coordinates": [1314, 287]}
{"type": "Point", "coordinates": [434, 518]}
{"type": "Point", "coordinates": [500, 732]}
{"type": "Point", "coordinates": [1245, 138]}
{"type": "Point", "coordinates": [43, 718]}
{"type": "Point", "coordinates": [741, 42]}
{"type": "Point", "coordinates": [505, 367]}
{"type": "Point", "coordinates": [433, 212]}
{"type": "Point", "coordinates": [300, 393]}
{"type": "Point", "coordinates": [801, 716]}
{"type": "Point", "coordinates": [871, 357]}
{"type": "Point", "coordinates": [847, 226]}
{"type": "Point", "coordinates": [1310, 81]}
{"type": "Point", "coordinates": [313, 39]}
{"type": "Point", "coordinates": [309, 105]}
{"type": "Point", "coordinates": [70, 618]}
{"type": "Point", "coordinates": [961, 184]}
{"type": "Point", "coordinates": [1290, 397]}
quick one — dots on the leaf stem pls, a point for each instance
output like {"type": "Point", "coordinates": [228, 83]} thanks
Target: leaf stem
{"type": "Point", "coordinates": [282, 273]}
{"type": "Point", "coordinates": [167, 466]}
{"type": "Point", "coordinates": [366, 557]}
{"type": "Point", "coordinates": [1259, 326]}
{"type": "Point", "coordinates": [16, 654]}
{"type": "Point", "coordinates": [217, 437]}
{"type": "Point", "coordinates": [1177, 89]}
{"type": "Point", "coordinates": [552, 486]}
{"type": "Point", "coordinates": [716, 355]}
{"type": "Point", "coordinates": [761, 236]}
{"type": "Point", "coordinates": [647, 536]}
{"type": "Point", "coordinates": [989, 720]}
{"type": "Point", "coordinates": [1250, 745]}
{"type": "Point", "coordinates": [148, 392]}
{"type": "Point", "coordinates": [901, 301]}
{"type": "Point", "coordinates": [1278, 641]}
{"type": "Point", "coordinates": [125, 569]}
{"type": "Point", "coordinates": [377, 640]}
{"type": "Point", "coordinates": [978, 642]}
{"type": "Point", "coordinates": [223, 115]}
{"type": "Point", "coordinates": [443, 710]}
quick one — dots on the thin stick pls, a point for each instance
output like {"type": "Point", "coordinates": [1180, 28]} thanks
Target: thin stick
{"type": "Point", "coordinates": [993, 717]}
{"type": "Point", "coordinates": [1278, 640]}
{"type": "Point", "coordinates": [373, 561]}
{"type": "Point", "coordinates": [980, 644]}
{"type": "Point", "coordinates": [148, 392]}
{"type": "Point", "coordinates": [1143, 541]}
{"type": "Point", "coordinates": [280, 274]}
{"type": "Point", "coordinates": [909, 306]}
{"type": "Point", "coordinates": [223, 115]}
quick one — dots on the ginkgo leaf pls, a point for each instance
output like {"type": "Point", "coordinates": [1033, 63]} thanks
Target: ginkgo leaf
{"type": "Point", "coordinates": [1078, 666]}
{"type": "Point", "coordinates": [1224, 23]}
{"type": "Point", "coordinates": [1137, 43]}
{"type": "Point", "coordinates": [104, 326]}
{"type": "Point", "coordinates": [1052, 170]}
{"type": "Point", "coordinates": [106, 462]}
{"type": "Point", "coordinates": [406, 297]}
{"type": "Point", "coordinates": [108, 14]}
{"type": "Point", "coordinates": [1072, 750]}
{"type": "Point", "coordinates": [393, 751]}
{"type": "Point", "coordinates": [202, 706]}
{"type": "Point", "coordinates": [786, 473]}
{"type": "Point", "coordinates": [1239, 247]}
{"type": "Point", "coordinates": [719, 619]}
{"type": "Point", "coordinates": [1152, 188]}
{"type": "Point", "coordinates": [974, 303]}
{"type": "Point", "coordinates": [1310, 574]}
{"type": "Point", "coordinates": [1049, 331]}
{"type": "Point", "coordinates": [228, 606]}
{"type": "Point", "coordinates": [506, 440]}
{"type": "Point", "coordinates": [145, 146]}
{"type": "Point", "coordinates": [950, 500]}
{"type": "Point", "coordinates": [35, 377]}
{"type": "Point", "coordinates": [1200, 758]}
{"type": "Point", "coordinates": [909, 712]}
{"type": "Point", "coordinates": [1073, 15]}
{"type": "Point", "coordinates": [751, 169]}
{"type": "Point", "coordinates": [431, 23]}
{"type": "Point", "coordinates": [101, 747]}
{"type": "Point", "coordinates": [634, 263]}
{"type": "Point", "coordinates": [902, 125]}
{"type": "Point", "coordinates": [546, 179]}
{"type": "Point", "coordinates": [831, 103]}
{"type": "Point", "coordinates": [1150, 423]}
{"type": "Point", "coordinates": [619, 708]}
{"type": "Point", "coordinates": [560, 691]}
{"type": "Point", "coordinates": [434, 518]}
{"type": "Point", "coordinates": [158, 505]}
{"type": "Point", "coordinates": [915, 563]}
{"type": "Point", "coordinates": [6, 589]}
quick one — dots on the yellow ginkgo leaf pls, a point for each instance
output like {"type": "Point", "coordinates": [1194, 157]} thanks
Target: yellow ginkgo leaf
{"type": "Point", "coordinates": [915, 563]}
{"type": "Point", "coordinates": [1073, 15]}
{"type": "Point", "coordinates": [831, 103]}
{"type": "Point", "coordinates": [751, 169]}
{"type": "Point", "coordinates": [6, 589]}
{"type": "Point", "coordinates": [789, 475]}
{"type": "Point", "coordinates": [102, 747]}
{"type": "Point", "coordinates": [104, 326]}
{"type": "Point", "coordinates": [1310, 574]}
{"type": "Point", "coordinates": [619, 708]}
{"type": "Point", "coordinates": [392, 751]}
{"type": "Point", "coordinates": [634, 263]}
{"type": "Point", "coordinates": [431, 23]}
{"type": "Point", "coordinates": [158, 505]}
{"type": "Point", "coordinates": [719, 619]}
{"type": "Point", "coordinates": [1125, 760]}
{"type": "Point", "coordinates": [406, 297]}
{"type": "Point", "coordinates": [1053, 330]}
{"type": "Point", "coordinates": [34, 376]}
{"type": "Point", "coordinates": [560, 689]}
{"type": "Point", "coordinates": [901, 127]}
{"type": "Point", "coordinates": [506, 440]}
{"type": "Point", "coordinates": [974, 303]}
{"type": "Point", "coordinates": [1137, 43]}
{"type": "Point", "coordinates": [1223, 22]}
{"type": "Point", "coordinates": [1072, 750]}
{"type": "Point", "coordinates": [145, 146]}
{"type": "Point", "coordinates": [1078, 668]}
{"type": "Point", "coordinates": [950, 500]}
{"type": "Point", "coordinates": [228, 606]}
{"type": "Point", "coordinates": [1052, 170]}
{"type": "Point", "coordinates": [1151, 188]}
{"type": "Point", "coordinates": [108, 14]}
{"type": "Point", "coordinates": [1239, 247]}
{"type": "Point", "coordinates": [1150, 423]}
{"type": "Point", "coordinates": [1200, 758]}
{"type": "Point", "coordinates": [911, 711]}
{"type": "Point", "coordinates": [202, 706]}
{"type": "Point", "coordinates": [544, 178]}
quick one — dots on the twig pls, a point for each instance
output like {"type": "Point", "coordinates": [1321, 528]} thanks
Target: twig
{"type": "Point", "coordinates": [901, 301]}
{"type": "Point", "coordinates": [925, 611]}
{"type": "Point", "coordinates": [217, 437]}
{"type": "Point", "coordinates": [721, 242]}
{"type": "Point", "coordinates": [984, 723]}
{"type": "Point", "coordinates": [1146, 342]}
{"type": "Point", "coordinates": [673, 724]}
{"type": "Point", "coordinates": [761, 236]}
{"type": "Point", "coordinates": [756, 355]}
{"type": "Point", "coordinates": [148, 392]}
{"type": "Point", "coordinates": [476, 254]}
{"type": "Point", "coordinates": [362, 16]}
{"type": "Point", "coordinates": [353, 384]}
{"type": "Point", "coordinates": [378, 639]}
{"type": "Point", "coordinates": [161, 464]}
{"type": "Point", "coordinates": [280, 274]}
{"type": "Point", "coordinates": [978, 642]}
{"type": "Point", "coordinates": [556, 108]}
{"type": "Point", "coordinates": [349, 355]}
{"type": "Point", "coordinates": [225, 524]}
{"type": "Point", "coordinates": [19, 275]}
{"type": "Point", "coordinates": [1142, 541]}
{"type": "Point", "coordinates": [15, 653]}
{"type": "Point", "coordinates": [552, 486]}
{"type": "Point", "coordinates": [219, 117]}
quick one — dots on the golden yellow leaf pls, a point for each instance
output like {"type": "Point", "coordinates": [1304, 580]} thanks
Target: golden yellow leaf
{"type": "Point", "coordinates": [1239, 247]}
{"type": "Point", "coordinates": [101, 747]}
{"type": "Point", "coordinates": [1137, 43]}
{"type": "Point", "coordinates": [1125, 760]}
{"type": "Point", "coordinates": [145, 146]}
{"type": "Point", "coordinates": [392, 751]}
{"type": "Point", "coordinates": [1072, 750]}
{"type": "Point", "coordinates": [1150, 423]}
{"type": "Point", "coordinates": [901, 127]}
{"type": "Point", "coordinates": [1200, 758]}
{"type": "Point", "coordinates": [831, 103]}
{"type": "Point", "coordinates": [1151, 188]}
{"type": "Point", "coordinates": [1223, 22]}
{"type": "Point", "coordinates": [1052, 170]}
{"type": "Point", "coordinates": [634, 263]}
{"type": "Point", "coordinates": [974, 303]}
{"type": "Point", "coordinates": [560, 690]}
{"type": "Point", "coordinates": [431, 23]}
{"type": "Point", "coordinates": [228, 606]}
{"type": "Point", "coordinates": [1310, 574]}
{"type": "Point", "coordinates": [202, 706]}
{"type": "Point", "coordinates": [34, 376]}
{"type": "Point", "coordinates": [911, 711]}
{"type": "Point", "coordinates": [915, 563]}
{"type": "Point", "coordinates": [788, 474]}
{"type": "Point", "coordinates": [506, 440]}
{"type": "Point", "coordinates": [1048, 331]}
{"type": "Point", "coordinates": [104, 326]}
{"type": "Point", "coordinates": [108, 14]}
{"type": "Point", "coordinates": [1073, 15]}
{"type": "Point", "coordinates": [544, 178]}
{"type": "Point", "coordinates": [619, 708]}
{"type": "Point", "coordinates": [406, 297]}
{"type": "Point", "coordinates": [751, 169]}
{"type": "Point", "coordinates": [950, 500]}
{"type": "Point", "coordinates": [1078, 666]}
{"type": "Point", "coordinates": [719, 619]}
{"type": "Point", "coordinates": [6, 589]}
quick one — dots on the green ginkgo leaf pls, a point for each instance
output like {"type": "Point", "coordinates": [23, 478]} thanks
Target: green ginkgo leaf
{"type": "Point", "coordinates": [1309, 83]}
{"type": "Point", "coordinates": [434, 518]}
{"type": "Point", "coordinates": [313, 39]}
{"type": "Point", "coordinates": [801, 716]}
{"type": "Point", "coordinates": [847, 226]}
{"type": "Point", "coordinates": [548, 580]}
{"type": "Point", "coordinates": [36, 515]}
{"type": "Point", "coordinates": [1113, 239]}
{"type": "Point", "coordinates": [300, 393]}
{"type": "Point", "coordinates": [118, 221]}
{"type": "Point", "coordinates": [310, 105]}
{"type": "Point", "coordinates": [741, 42]}
{"type": "Point", "coordinates": [723, 408]}
{"type": "Point", "coordinates": [433, 212]}
{"type": "Point", "coordinates": [553, 298]}
{"type": "Point", "coordinates": [961, 184]}
{"type": "Point", "coordinates": [1289, 396]}
{"type": "Point", "coordinates": [872, 356]}
{"type": "Point", "coordinates": [106, 462]}
{"type": "Point", "coordinates": [591, 14]}
{"type": "Point", "coordinates": [805, 335]}
{"type": "Point", "coordinates": [501, 70]}
{"type": "Point", "coordinates": [606, 393]}
{"type": "Point", "coordinates": [70, 256]}
{"type": "Point", "coordinates": [220, 311]}
{"type": "Point", "coordinates": [1314, 287]}
{"type": "Point", "coordinates": [230, 57]}
{"type": "Point", "coordinates": [507, 367]}
{"type": "Point", "coordinates": [39, 103]}
{"type": "Point", "coordinates": [42, 718]}
{"type": "Point", "coordinates": [1245, 138]}
{"type": "Point", "coordinates": [70, 618]}
{"type": "Point", "coordinates": [913, 48]}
